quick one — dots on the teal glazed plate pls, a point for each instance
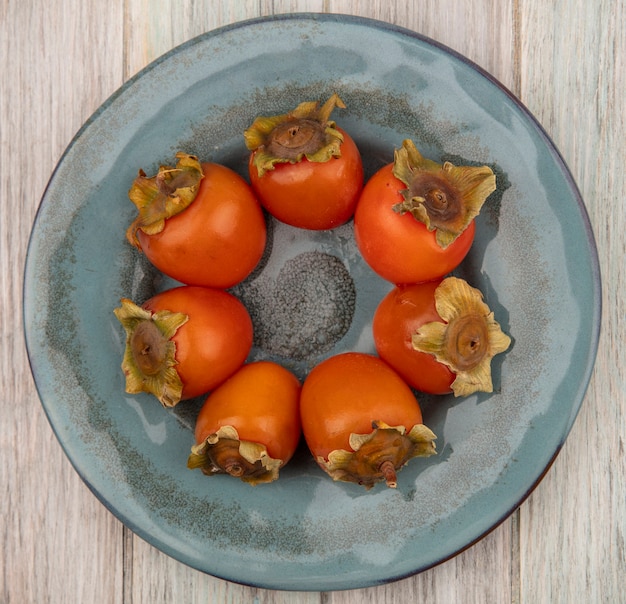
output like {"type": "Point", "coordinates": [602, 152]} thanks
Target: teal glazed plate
{"type": "Point", "coordinates": [312, 296]}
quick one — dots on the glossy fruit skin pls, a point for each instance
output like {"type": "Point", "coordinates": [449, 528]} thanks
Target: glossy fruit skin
{"type": "Point", "coordinates": [213, 343]}
{"type": "Point", "coordinates": [398, 316]}
{"type": "Point", "coordinates": [312, 195]}
{"type": "Point", "coordinates": [217, 240]}
{"type": "Point", "coordinates": [345, 393]}
{"type": "Point", "coordinates": [397, 247]}
{"type": "Point", "coordinates": [261, 401]}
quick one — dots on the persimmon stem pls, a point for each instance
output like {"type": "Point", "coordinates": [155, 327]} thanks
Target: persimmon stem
{"type": "Point", "coordinates": [234, 469]}
{"type": "Point", "coordinates": [389, 473]}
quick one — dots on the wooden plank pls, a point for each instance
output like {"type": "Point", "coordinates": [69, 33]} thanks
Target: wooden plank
{"type": "Point", "coordinates": [154, 27]}
{"type": "Point", "coordinates": [481, 30]}
{"type": "Point", "coordinates": [58, 543]}
{"type": "Point", "coordinates": [158, 578]}
{"type": "Point", "coordinates": [573, 79]}
{"type": "Point", "coordinates": [480, 574]}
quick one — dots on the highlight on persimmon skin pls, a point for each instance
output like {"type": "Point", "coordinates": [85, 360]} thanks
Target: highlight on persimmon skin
{"type": "Point", "coordinates": [361, 421]}
{"type": "Point", "coordinates": [249, 427]}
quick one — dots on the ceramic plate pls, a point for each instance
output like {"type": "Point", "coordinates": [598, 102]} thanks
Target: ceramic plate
{"type": "Point", "coordinates": [306, 532]}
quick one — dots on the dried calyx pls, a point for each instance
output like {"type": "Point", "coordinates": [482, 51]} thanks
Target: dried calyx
{"type": "Point", "coordinates": [444, 197]}
{"type": "Point", "coordinates": [466, 339]}
{"type": "Point", "coordinates": [150, 354]}
{"type": "Point", "coordinates": [164, 195]}
{"type": "Point", "coordinates": [306, 132]}
{"type": "Point", "coordinates": [224, 453]}
{"type": "Point", "coordinates": [379, 455]}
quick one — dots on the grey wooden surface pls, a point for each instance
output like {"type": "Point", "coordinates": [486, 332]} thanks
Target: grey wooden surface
{"type": "Point", "coordinates": [565, 59]}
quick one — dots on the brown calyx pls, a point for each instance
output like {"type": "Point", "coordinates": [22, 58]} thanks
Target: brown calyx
{"type": "Point", "coordinates": [149, 348]}
{"type": "Point", "coordinates": [466, 338]}
{"type": "Point", "coordinates": [163, 195]}
{"type": "Point", "coordinates": [441, 201]}
{"type": "Point", "coordinates": [467, 341]}
{"type": "Point", "coordinates": [307, 132]}
{"type": "Point", "coordinates": [378, 456]}
{"type": "Point", "coordinates": [223, 457]}
{"type": "Point", "coordinates": [295, 138]}
{"type": "Point", "coordinates": [444, 197]}
{"type": "Point", "coordinates": [223, 452]}
{"type": "Point", "coordinates": [150, 352]}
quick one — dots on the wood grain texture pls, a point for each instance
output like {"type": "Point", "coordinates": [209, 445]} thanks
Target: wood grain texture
{"type": "Point", "coordinates": [565, 59]}
{"type": "Point", "coordinates": [577, 516]}
{"type": "Point", "coordinates": [58, 543]}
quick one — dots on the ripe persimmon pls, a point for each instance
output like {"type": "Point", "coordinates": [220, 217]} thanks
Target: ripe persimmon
{"type": "Point", "coordinates": [361, 421]}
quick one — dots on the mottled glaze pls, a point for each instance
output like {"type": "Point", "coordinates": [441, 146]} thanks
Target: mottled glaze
{"type": "Point", "coordinates": [305, 532]}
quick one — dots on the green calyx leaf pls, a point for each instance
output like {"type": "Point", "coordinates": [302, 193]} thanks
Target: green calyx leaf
{"type": "Point", "coordinates": [467, 337]}
{"type": "Point", "coordinates": [378, 455]}
{"type": "Point", "coordinates": [164, 195]}
{"type": "Point", "coordinates": [223, 452]}
{"type": "Point", "coordinates": [306, 132]}
{"type": "Point", "coordinates": [150, 354]}
{"type": "Point", "coordinates": [444, 197]}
